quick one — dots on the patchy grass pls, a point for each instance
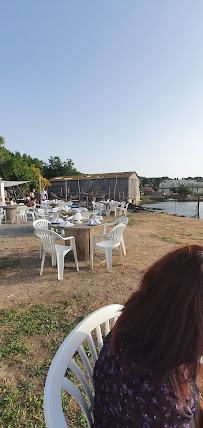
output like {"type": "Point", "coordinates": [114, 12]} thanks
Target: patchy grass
{"type": "Point", "coordinates": [8, 263]}
{"type": "Point", "coordinates": [30, 337]}
{"type": "Point", "coordinates": [166, 239]}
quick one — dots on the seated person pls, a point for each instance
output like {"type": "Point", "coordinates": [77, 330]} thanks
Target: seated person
{"type": "Point", "coordinates": [145, 375]}
{"type": "Point", "coordinates": [2, 203]}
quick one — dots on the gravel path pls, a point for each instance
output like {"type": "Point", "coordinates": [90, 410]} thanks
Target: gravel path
{"type": "Point", "coordinates": [8, 231]}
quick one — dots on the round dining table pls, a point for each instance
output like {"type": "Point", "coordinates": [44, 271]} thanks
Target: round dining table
{"type": "Point", "coordinates": [10, 211]}
{"type": "Point", "coordinates": [82, 233]}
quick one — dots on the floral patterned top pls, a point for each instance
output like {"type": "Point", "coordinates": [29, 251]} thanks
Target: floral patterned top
{"type": "Point", "coordinates": [125, 399]}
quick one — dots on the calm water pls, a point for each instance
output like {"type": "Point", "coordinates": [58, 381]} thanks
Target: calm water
{"type": "Point", "coordinates": [187, 209]}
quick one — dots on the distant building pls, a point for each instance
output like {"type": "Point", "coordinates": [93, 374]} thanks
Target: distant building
{"type": "Point", "coordinates": [148, 190]}
{"type": "Point", "coordinates": [117, 186]}
{"type": "Point", "coordinates": [165, 187]}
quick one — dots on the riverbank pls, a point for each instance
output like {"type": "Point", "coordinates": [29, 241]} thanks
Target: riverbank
{"type": "Point", "coordinates": [39, 312]}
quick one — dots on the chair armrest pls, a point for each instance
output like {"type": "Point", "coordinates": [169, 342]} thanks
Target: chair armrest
{"type": "Point", "coordinates": [100, 234]}
{"type": "Point", "coordinates": [107, 225]}
{"type": "Point", "coordinates": [94, 238]}
{"type": "Point", "coordinates": [65, 239]}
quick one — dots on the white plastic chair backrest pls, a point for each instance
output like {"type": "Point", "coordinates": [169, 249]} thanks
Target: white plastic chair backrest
{"type": "Point", "coordinates": [122, 219]}
{"type": "Point", "coordinates": [99, 205]}
{"type": "Point", "coordinates": [41, 211]}
{"type": "Point", "coordinates": [48, 239]}
{"type": "Point", "coordinates": [94, 212]}
{"type": "Point", "coordinates": [21, 209]}
{"type": "Point", "coordinates": [113, 206]}
{"type": "Point", "coordinates": [116, 234]}
{"type": "Point", "coordinates": [41, 215]}
{"type": "Point", "coordinates": [122, 205]}
{"type": "Point", "coordinates": [41, 223]}
{"type": "Point", "coordinates": [90, 331]}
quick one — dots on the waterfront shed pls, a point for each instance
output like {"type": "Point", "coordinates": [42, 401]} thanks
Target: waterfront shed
{"type": "Point", "coordinates": [117, 186]}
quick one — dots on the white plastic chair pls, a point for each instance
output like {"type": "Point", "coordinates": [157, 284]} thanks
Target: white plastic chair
{"type": "Point", "coordinates": [111, 208]}
{"type": "Point", "coordinates": [20, 214]}
{"type": "Point", "coordinates": [2, 215]}
{"type": "Point", "coordinates": [113, 239]}
{"type": "Point", "coordinates": [123, 208]}
{"type": "Point", "coordinates": [41, 214]}
{"type": "Point", "coordinates": [119, 220]}
{"type": "Point", "coordinates": [88, 330]}
{"type": "Point", "coordinates": [48, 239]}
{"type": "Point", "coordinates": [31, 212]}
{"type": "Point", "coordinates": [41, 223]}
{"type": "Point", "coordinates": [100, 206]}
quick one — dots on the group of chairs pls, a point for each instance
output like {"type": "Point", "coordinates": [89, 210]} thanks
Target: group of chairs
{"type": "Point", "coordinates": [21, 214]}
{"type": "Point", "coordinates": [51, 243]}
{"type": "Point", "coordinates": [111, 207]}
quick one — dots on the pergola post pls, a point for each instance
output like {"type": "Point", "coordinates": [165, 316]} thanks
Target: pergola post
{"type": "Point", "coordinates": [2, 193]}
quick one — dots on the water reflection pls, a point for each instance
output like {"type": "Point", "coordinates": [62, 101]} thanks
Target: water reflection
{"type": "Point", "coordinates": [186, 209]}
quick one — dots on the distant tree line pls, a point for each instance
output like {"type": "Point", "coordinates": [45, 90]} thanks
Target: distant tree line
{"type": "Point", "coordinates": [14, 166]}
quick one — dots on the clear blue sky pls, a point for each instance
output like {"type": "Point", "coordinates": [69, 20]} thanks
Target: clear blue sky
{"type": "Point", "coordinates": [114, 85]}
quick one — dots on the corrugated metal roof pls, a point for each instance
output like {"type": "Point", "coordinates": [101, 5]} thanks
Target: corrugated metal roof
{"type": "Point", "coordinates": [94, 176]}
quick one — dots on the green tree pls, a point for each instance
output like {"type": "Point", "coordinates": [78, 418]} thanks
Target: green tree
{"type": "Point", "coordinates": [56, 167]}
{"type": "Point", "coordinates": [5, 157]}
{"type": "Point", "coordinates": [33, 161]}
{"type": "Point", "coordinates": [173, 190]}
{"type": "Point", "coordinates": [183, 190]}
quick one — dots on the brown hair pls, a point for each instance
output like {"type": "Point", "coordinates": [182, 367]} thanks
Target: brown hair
{"type": "Point", "coordinates": [162, 323]}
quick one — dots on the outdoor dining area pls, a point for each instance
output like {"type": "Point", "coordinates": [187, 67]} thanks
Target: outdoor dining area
{"type": "Point", "coordinates": [67, 229]}
{"type": "Point", "coordinates": [79, 231]}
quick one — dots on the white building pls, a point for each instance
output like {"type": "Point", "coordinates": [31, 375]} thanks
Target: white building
{"type": "Point", "coordinates": [165, 187]}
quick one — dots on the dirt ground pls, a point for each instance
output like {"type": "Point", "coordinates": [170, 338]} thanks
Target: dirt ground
{"type": "Point", "coordinates": [147, 237]}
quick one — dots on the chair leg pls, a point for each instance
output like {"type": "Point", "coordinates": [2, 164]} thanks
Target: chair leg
{"type": "Point", "coordinates": [108, 254]}
{"type": "Point", "coordinates": [119, 249]}
{"type": "Point", "coordinates": [123, 245]}
{"type": "Point", "coordinates": [41, 250]}
{"type": "Point", "coordinates": [60, 264]}
{"type": "Point", "coordinates": [53, 259]}
{"type": "Point", "coordinates": [92, 257]}
{"type": "Point", "coordinates": [75, 257]}
{"type": "Point", "coordinates": [42, 264]}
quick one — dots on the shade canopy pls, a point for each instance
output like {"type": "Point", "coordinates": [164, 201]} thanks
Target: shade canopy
{"type": "Point", "coordinates": [13, 183]}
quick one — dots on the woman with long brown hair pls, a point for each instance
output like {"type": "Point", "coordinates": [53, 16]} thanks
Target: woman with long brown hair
{"type": "Point", "coordinates": [146, 372]}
